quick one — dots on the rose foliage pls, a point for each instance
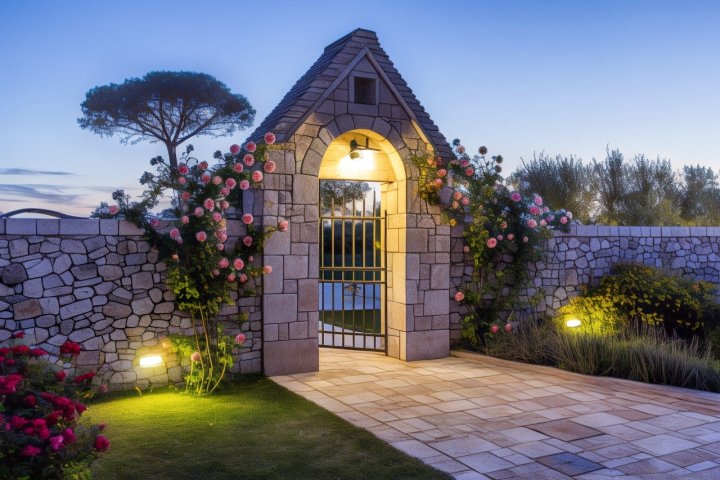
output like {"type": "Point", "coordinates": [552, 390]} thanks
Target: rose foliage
{"type": "Point", "coordinates": [40, 437]}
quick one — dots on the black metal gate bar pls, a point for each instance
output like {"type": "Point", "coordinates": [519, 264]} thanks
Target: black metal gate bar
{"type": "Point", "coordinates": [359, 269]}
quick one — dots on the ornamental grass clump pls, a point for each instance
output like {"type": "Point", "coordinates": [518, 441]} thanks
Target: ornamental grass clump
{"type": "Point", "coordinates": [204, 271]}
{"type": "Point", "coordinates": [40, 434]}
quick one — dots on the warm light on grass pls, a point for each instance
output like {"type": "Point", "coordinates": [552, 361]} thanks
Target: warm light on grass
{"type": "Point", "coordinates": [148, 361]}
{"type": "Point", "coordinates": [573, 323]}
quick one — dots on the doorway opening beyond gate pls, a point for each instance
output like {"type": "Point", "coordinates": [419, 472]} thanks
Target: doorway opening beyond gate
{"type": "Point", "coordinates": [353, 266]}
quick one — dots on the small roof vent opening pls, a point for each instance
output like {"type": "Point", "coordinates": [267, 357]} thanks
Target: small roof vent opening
{"type": "Point", "coordinates": [365, 90]}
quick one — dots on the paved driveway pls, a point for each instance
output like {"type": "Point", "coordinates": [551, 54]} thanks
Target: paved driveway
{"type": "Point", "coordinates": [478, 417]}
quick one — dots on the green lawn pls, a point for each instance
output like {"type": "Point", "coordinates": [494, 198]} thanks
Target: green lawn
{"type": "Point", "coordinates": [253, 430]}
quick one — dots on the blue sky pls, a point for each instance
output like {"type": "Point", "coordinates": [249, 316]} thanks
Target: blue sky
{"type": "Point", "coordinates": [568, 77]}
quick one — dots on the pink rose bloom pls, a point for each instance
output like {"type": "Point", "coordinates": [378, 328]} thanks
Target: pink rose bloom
{"type": "Point", "coordinates": [205, 178]}
{"type": "Point", "coordinates": [199, 211]}
{"type": "Point", "coordinates": [179, 240]}
{"type": "Point", "coordinates": [185, 195]}
{"type": "Point", "coordinates": [30, 451]}
{"type": "Point", "coordinates": [508, 327]}
{"type": "Point", "coordinates": [175, 257]}
{"type": "Point", "coordinates": [543, 223]}
{"type": "Point", "coordinates": [209, 204]}
{"type": "Point", "coordinates": [224, 204]}
{"type": "Point", "coordinates": [469, 171]}
{"type": "Point", "coordinates": [563, 220]}
{"type": "Point", "coordinates": [538, 200]}
{"type": "Point", "coordinates": [267, 269]}
{"type": "Point", "coordinates": [247, 240]}
{"type": "Point", "coordinates": [224, 191]}
{"type": "Point", "coordinates": [531, 223]}
{"type": "Point", "coordinates": [466, 249]}
{"type": "Point", "coordinates": [238, 167]}
{"type": "Point", "coordinates": [201, 236]}
{"type": "Point", "coordinates": [465, 201]}
{"type": "Point", "coordinates": [511, 236]}
{"type": "Point", "coordinates": [183, 169]}
{"type": "Point", "coordinates": [185, 219]}
{"type": "Point", "coordinates": [250, 147]}
{"type": "Point", "coordinates": [459, 296]}
{"type": "Point", "coordinates": [231, 277]}
{"type": "Point", "coordinates": [113, 209]}
{"type": "Point", "coordinates": [494, 329]}
{"type": "Point", "coordinates": [216, 216]}
{"type": "Point", "coordinates": [457, 195]}
{"type": "Point", "coordinates": [269, 138]}
{"type": "Point", "coordinates": [550, 218]}
{"type": "Point", "coordinates": [174, 233]}
{"type": "Point", "coordinates": [464, 163]}
{"type": "Point", "coordinates": [492, 242]}
{"type": "Point", "coordinates": [250, 259]}
{"type": "Point", "coordinates": [223, 263]}
{"type": "Point", "coordinates": [525, 239]}
{"type": "Point", "coordinates": [230, 183]}
{"type": "Point", "coordinates": [243, 278]}
{"type": "Point", "coordinates": [244, 184]}
{"type": "Point", "coordinates": [534, 210]}
{"type": "Point", "coordinates": [442, 172]}
{"type": "Point", "coordinates": [222, 236]}
{"type": "Point", "coordinates": [257, 176]}
{"type": "Point", "coordinates": [203, 165]}
{"type": "Point", "coordinates": [195, 357]}
{"type": "Point", "coordinates": [56, 442]}
{"type": "Point", "coordinates": [249, 160]}
{"type": "Point", "coordinates": [234, 149]}
{"type": "Point", "coordinates": [240, 338]}
{"type": "Point", "coordinates": [182, 180]}
{"type": "Point", "coordinates": [154, 222]}
{"type": "Point", "coordinates": [515, 197]}
{"type": "Point", "coordinates": [500, 238]}
{"type": "Point", "coordinates": [283, 225]}
{"type": "Point", "coordinates": [217, 180]}
{"type": "Point", "coordinates": [238, 264]}
{"type": "Point", "coordinates": [269, 166]}
{"type": "Point", "coordinates": [220, 247]}
{"type": "Point", "coordinates": [438, 182]}
{"type": "Point", "coordinates": [215, 272]}
{"type": "Point", "coordinates": [247, 219]}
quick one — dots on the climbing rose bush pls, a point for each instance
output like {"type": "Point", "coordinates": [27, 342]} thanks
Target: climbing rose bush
{"type": "Point", "coordinates": [40, 436]}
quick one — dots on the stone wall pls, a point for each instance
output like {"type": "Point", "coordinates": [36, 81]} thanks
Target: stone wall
{"type": "Point", "coordinates": [96, 282]}
{"type": "Point", "coordinates": [586, 253]}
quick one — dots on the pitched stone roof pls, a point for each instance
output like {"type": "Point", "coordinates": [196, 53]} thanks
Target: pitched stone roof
{"type": "Point", "coordinates": [304, 95]}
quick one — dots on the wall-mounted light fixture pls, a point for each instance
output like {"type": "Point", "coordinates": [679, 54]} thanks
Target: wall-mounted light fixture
{"type": "Point", "coordinates": [149, 361]}
{"type": "Point", "coordinates": [573, 322]}
{"type": "Point", "coordinates": [357, 150]}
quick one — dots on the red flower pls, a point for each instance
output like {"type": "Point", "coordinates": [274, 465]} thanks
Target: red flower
{"type": "Point", "coordinates": [18, 335]}
{"type": "Point", "coordinates": [8, 384]}
{"type": "Point", "coordinates": [37, 352]}
{"type": "Point", "coordinates": [60, 375]}
{"type": "Point", "coordinates": [234, 149]}
{"type": "Point", "coordinates": [101, 443]}
{"type": "Point", "coordinates": [69, 436]}
{"type": "Point", "coordinates": [30, 400]}
{"type": "Point", "coordinates": [30, 451]}
{"type": "Point", "coordinates": [270, 138]}
{"type": "Point", "coordinates": [52, 419]}
{"type": "Point", "coordinates": [70, 348]}
{"type": "Point", "coordinates": [82, 378]}
{"type": "Point", "coordinates": [17, 422]}
{"type": "Point", "coordinates": [20, 350]}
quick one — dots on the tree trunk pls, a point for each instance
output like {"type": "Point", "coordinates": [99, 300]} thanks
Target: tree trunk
{"type": "Point", "coordinates": [172, 155]}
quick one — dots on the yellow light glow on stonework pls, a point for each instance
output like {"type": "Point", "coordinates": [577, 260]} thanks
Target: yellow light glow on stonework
{"type": "Point", "coordinates": [573, 322]}
{"type": "Point", "coordinates": [364, 162]}
{"type": "Point", "coordinates": [147, 361]}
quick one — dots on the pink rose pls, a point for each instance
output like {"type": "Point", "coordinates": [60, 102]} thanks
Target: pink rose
{"type": "Point", "coordinates": [469, 171]}
{"type": "Point", "coordinates": [175, 257]}
{"type": "Point", "coordinates": [247, 219]}
{"type": "Point", "coordinates": [230, 183]}
{"type": "Point", "coordinates": [546, 209]}
{"type": "Point", "coordinates": [185, 196]}
{"type": "Point", "coordinates": [217, 180]}
{"type": "Point", "coordinates": [182, 180]}
{"type": "Point", "coordinates": [238, 264]}
{"type": "Point", "coordinates": [494, 329]}
{"type": "Point", "coordinates": [224, 191]}
{"type": "Point", "coordinates": [283, 225]}
{"type": "Point", "coordinates": [215, 272]}
{"type": "Point", "coordinates": [238, 167]}
{"type": "Point", "coordinates": [500, 238]}
{"type": "Point", "coordinates": [205, 178]}
{"type": "Point", "coordinates": [457, 195]}
{"type": "Point", "coordinates": [224, 204]}
{"type": "Point", "coordinates": [250, 259]}
{"type": "Point", "coordinates": [269, 166]}
{"type": "Point", "coordinates": [515, 197]}
{"type": "Point", "coordinates": [249, 160]}
{"type": "Point", "coordinates": [464, 163]}
{"type": "Point", "coordinates": [267, 269]}
{"type": "Point", "coordinates": [240, 338]}
{"type": "Point", "coordinates": [234, 149]}
{"type": "Point", "coordinates": [195, 357]}
{"type": "Point", "coordinates": [525, 239]}
{"type": "Point", "coordinates": [209, 204]}
{"type": "Point", "coordinates": [220, 247]}
{"type": "Point", "coordinates": [231, 277]}
{"type": "Point", "coordinates": [511, 236]}
{"type": "Point", "coordinates": [508, 327]}
{"type": "Point", "coordinates": [538, 200]}
{"type": "Point", "coordinates": [438, 182]}
{"type": "Point", "coordinates": [243, 278]}
{"type": "Point", "coordinates": [459, 296]}
{"type": "Point", "coordinates": [30, 451]}
{"type": "Point", "coordinates": [244, 184]}
{"type": "Point", "coordinates": [113, 209]}
{"type": "Point", "coordinates": [563, 220]}
{"type": "Point", "coordinates": [185, 219]}
{"type": "Point", "coordinates": [217, 217]}
{"type": "Point", "coordinates": [201, 236]}
{"type": "Point", "coordinates": [223, 263]}
{"type": "Point", "coordinates": [154, 222]}
{"type": "Point", "coordinates": [247, 240]}
{"type": "Point", "coordinates": [534, 210]}
{"type": "Point", "coordinates": [257, 176]}
{"type": "Point", "coordinates": [442, 172]}
{"type": "Point", "coordinates": [492, 242]}
{"type": "Point", "coordinates": [466, 249]}
{"type": "Point", "coordinates": [543, 223]}
{"type": "Point", "coordinates": [203, 165]}
{"type": "Point", "coordinates": [269, 138]}
{"type": "Point", "coordinates": [250, 147]}
{"type": "Point", "coordinates": [183, 169]}
{"type": "Point", "coordinates": [199, 211]}
{"type": "Point", "coordinates": [531, 223]}
{"type": "Point", "coordinates": [174, 233]}
{"type": "Point", "coordinates": [465, 201]}
{"type": "Point", "coordinates": [222, 236]}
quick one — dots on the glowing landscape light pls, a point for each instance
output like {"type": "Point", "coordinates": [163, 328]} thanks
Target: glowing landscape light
{"type": "Point", "coordinates": [147, 361]}
{"type": "Point", "coordinates": [573, 323]}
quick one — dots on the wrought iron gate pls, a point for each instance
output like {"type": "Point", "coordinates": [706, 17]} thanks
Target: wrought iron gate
{"type": "Point", "coordinates": [353, 273]}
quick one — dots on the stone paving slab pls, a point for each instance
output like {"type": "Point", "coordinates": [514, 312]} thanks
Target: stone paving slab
{"type": "Point", "coordinates": [478, 417]}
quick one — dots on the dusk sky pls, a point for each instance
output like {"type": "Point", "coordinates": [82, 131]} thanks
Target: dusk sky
{"type": "Point", "coordinates": [563, 77]}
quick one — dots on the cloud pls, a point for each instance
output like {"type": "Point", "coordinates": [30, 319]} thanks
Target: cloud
{"type": "Point", "coordinates": [39, 193]}
{"type": "Point", "coordinates": [28, 171]}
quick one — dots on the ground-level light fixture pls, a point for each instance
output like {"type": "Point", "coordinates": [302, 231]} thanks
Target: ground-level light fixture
{"type": "Point", "coordinates": [573, 322]}
{"type": "Point", "coordinates": [149, 361]}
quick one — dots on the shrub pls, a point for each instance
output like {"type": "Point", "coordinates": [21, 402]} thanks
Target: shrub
{"type": "Point", "coordinates": [40, 437]}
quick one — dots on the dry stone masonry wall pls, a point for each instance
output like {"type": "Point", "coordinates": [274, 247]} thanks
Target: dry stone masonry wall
{"type": "Point", "coordinates": [97, 283]}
